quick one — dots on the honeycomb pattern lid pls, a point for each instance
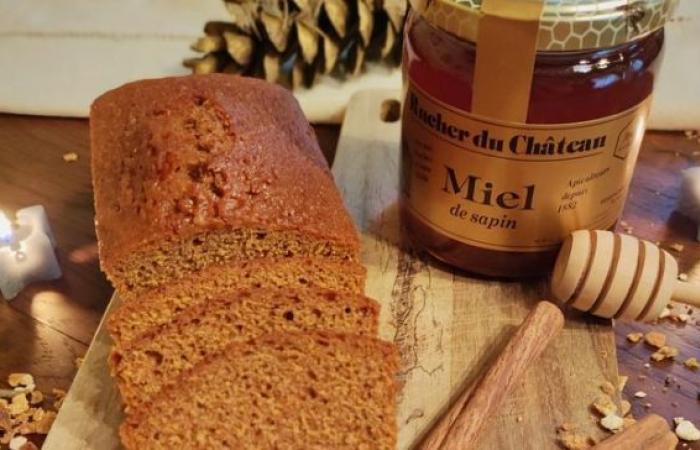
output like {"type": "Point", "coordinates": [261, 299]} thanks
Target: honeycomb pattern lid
{"type": "Point", "coordinates": [564, 25]}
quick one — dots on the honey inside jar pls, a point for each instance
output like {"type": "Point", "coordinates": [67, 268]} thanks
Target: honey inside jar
{"type": "Point", "coordinates": [496, 196]}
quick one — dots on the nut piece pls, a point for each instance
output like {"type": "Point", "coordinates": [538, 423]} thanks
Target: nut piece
{"type": "Point", "coordinates": [686, 430]}
{"type": "Point", "coordinates": [683, 317]}
{"type": "Point", "coordinates": [21, 379]}
{"type": "Point", "coordinates": [691, 363]}
{"type": "Point", "coordinates": [604, 405]}
{"type": "Point", "coordinates": [665, 352]}
{"type": "Point", "coordinates": [570, 439]}
{"type": "Point", "coordinates": [676, 247]}
{"type": "Point", "coordinates": [17, 442]}
{"type": "Point", "coordinates": [19, 405]}
{"type": "Point", "coordinates": [70, 157]}
{"type": "Point", "coordinates": [655, 339]}
{"type": "Point", "coordinates": [612, 422]}
{"type": "Point", "coordinates": [635, 337]}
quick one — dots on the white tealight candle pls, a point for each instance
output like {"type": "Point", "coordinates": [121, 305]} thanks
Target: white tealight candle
{"type": "Point", "coordinates": [26, 251]}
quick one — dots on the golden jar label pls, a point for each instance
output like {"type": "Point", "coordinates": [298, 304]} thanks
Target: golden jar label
{"type": "Point", "coordinates": [512, 186]}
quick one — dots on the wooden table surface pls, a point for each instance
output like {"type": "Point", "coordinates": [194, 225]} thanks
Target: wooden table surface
{"type": "Point", "coordinates": [48, 325]}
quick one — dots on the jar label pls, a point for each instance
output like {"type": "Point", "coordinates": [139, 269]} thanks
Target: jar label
{"type": "Point", "coordinates": [513, 186]}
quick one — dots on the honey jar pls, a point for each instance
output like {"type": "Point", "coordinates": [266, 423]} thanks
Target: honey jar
{"type": "Point", "coordinates": [522, 121]}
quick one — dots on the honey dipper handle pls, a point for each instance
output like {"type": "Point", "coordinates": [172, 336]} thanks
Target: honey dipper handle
{"type": "Point", "coordinates": [688, 293]}
{"type": "Point", "coordinates": [459, 427]}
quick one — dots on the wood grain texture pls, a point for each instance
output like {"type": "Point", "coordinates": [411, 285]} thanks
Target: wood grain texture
{"type": "Point", "coordinates": [32, 171]}
{"type": "Point", "coordinates": [672, 390]}
{"type": "Point", "coordinates": [449, 327]}
{"type": "Point", "coordinates": [461, 427]}
{"type": "Point", "coordinates": [91, 413]}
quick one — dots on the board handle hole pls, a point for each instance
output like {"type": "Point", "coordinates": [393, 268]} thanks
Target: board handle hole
{"type": "Point", "coordinates": [390, 110]}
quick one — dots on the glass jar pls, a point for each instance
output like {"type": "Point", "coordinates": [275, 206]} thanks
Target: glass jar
{"type": "Point", "coordinates": [516, 133]}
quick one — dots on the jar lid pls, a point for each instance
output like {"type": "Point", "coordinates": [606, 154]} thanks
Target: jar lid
{"type": "Point", "coordinates": [564, 25]}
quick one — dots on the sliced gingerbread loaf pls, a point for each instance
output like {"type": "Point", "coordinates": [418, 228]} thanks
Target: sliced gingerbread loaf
{"type": "Point", "coordinates": [281, 391]}
{"type": "Point", "coordinates": [156, 359]}
{"type": "Point", "coordinates": [208, 169]}
{"type": "Point", "coordinates": [142, 310]}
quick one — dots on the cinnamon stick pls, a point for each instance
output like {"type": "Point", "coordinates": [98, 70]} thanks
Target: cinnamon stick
{"type": "Point", "coordinates": [650, 433]}
{"type": "Point", "coordinates": [460, 427]}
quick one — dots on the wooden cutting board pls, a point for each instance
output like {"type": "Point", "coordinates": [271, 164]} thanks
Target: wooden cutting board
{"type": "Point", "coordinates": [447, 326]}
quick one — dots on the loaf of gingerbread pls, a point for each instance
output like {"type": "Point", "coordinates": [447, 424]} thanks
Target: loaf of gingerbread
{"type": "Point", "coordinates": [192, 172]}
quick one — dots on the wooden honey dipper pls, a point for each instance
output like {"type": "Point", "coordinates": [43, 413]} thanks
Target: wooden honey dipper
{"type": "Point", "coordinates": [618, 276]}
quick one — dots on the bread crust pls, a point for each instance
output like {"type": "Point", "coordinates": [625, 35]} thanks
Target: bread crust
{"type": "Point", "coordinates": [179, 157]}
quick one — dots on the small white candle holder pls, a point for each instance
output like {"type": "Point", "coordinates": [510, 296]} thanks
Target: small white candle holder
{"type": "Point", "coordinates": [26, 251]}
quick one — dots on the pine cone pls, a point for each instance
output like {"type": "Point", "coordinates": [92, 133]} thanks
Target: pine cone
{"type": "Point", "coordinates": [293, 41]}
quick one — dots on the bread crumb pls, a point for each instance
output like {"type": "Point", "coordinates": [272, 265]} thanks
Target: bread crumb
{"type": "Point", "coordinates": [70, 157]}
{"type": "Point", "coordinates": [608, 388]}
{"type": "Point", "coordinates": [665, 352]}
{"type": "Point", "coordinates": [640, 394]}
{"type": "Point", "coordinates": [665, 313]}
{"type": "Point", "coordinates": [38, 414]}
{"type": "Point", "coordinates": [686, 430]}
{"type": "Point", "coordinates": [572, 440]}
{"type": "Point", "coordinates": [646, 366]}
{"type": "Point", "coordinates": [635, 337]}
{"type": "Point", "coordinates": [691, 363]}
{"type": "Point", "coordinates": [519, 419]}
{"type": "Point", "coordinates": [604, 405]}
{"type": "Point", "coordinates": [612, 422]}
{"type": "Point", "coordinates": [655, 339]}
{"type": "Point", "coordinates": [683, 276]}
{"type": "Point", "coordinates": [625, 407]}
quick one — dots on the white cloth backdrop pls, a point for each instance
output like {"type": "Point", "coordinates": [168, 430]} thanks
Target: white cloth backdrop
{"type": "Point", "coordinates": [56, 56]}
